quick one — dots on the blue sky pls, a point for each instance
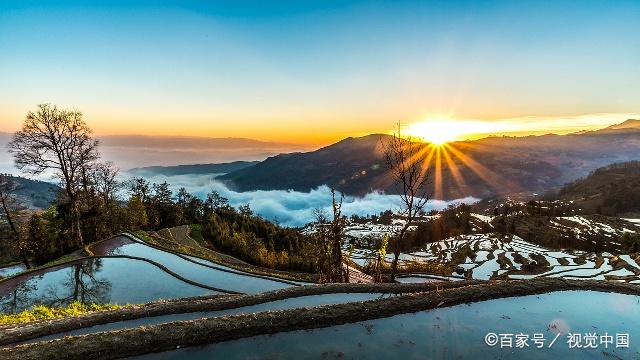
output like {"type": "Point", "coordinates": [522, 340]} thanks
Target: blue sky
{"type": "Point", "coordinates": [315, 71]}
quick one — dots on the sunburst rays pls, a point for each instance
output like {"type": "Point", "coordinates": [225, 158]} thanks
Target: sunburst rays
{"type": "Point", "coordinates": [449, 157]}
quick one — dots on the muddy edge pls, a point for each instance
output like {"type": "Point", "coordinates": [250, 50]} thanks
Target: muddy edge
{"type": "Point", "coordinates": [21, 332]}
{"type": "Point", "coordinates": [118, 344]}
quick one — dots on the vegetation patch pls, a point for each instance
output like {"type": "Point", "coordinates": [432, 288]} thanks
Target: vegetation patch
{"type": "Point", "coordinates": [196, 233]}
{"type": "Point", "coordinates": [223, 259]}
{"type": "Point", "coordinates": [43, 312]}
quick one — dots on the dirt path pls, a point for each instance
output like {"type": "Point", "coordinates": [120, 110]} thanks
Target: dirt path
{"type": "Point", "coordinates": [358, 277]}
{"type": "Point", "coordinates": [180, 235]}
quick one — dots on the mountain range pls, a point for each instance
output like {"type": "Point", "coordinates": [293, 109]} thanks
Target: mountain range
{"type": "Point", "coordinates": [480, 168]}
{"type": "Point", "coordinates": [35, 193]}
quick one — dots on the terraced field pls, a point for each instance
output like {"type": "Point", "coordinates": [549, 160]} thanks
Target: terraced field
{"type": "Point", "coordinates": [125, 270]}
{"type": "Point", "coordinates": [495, 256]}
{"type": "Point", "coordinates": [195, 308]}
{"type": "Point", "coordinates": [450, 333]}
{"type": "Point", "coordinates": [11, 270]}
{"type": "Point", "coordinates": [487, 257]}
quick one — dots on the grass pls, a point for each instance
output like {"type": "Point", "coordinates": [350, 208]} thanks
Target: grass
{"type": "Point", "coordinates": [196, 233]}
{"type": "Point", "coordinates": [43, 312]}
{"type": "Point", "coordinates": [144, 236]}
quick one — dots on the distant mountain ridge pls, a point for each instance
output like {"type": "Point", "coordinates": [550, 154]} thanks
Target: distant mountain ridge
{"type": "Point", "coordinates": [221, 168]}
{"type": "Point", "coordinates": [198, 142]}
{"type": "Point", "coordinates": [488, 167]}
{"type": "Point", "coordinates": [629, 124]}
{"type": "Point", "coordinates": [173, 150]}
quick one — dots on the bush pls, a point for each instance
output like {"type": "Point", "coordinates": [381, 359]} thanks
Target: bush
{"type": "Point", "coordinates": [43, 312]}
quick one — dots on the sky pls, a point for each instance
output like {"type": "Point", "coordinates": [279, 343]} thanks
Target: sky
{"type": "Point", "coordinates": [314, 72]}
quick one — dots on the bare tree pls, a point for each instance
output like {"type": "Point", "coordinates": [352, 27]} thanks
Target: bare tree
{"type": "Point", "coordinates": [329, 237]}
{"type": "Point", "coordinates": [105, 179]}
{"type": "Point", "coordinates": [13, 211]}
{"type": "Point", "coordinates": [56, 140]}
{"type": "Point", "coordinates": [404, 159]}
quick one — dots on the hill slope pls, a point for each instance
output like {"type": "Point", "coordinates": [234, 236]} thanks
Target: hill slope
{"type": "Point", "coordinates": [35, 193]}
{"type": "Point", "coordinates": [611, 190]}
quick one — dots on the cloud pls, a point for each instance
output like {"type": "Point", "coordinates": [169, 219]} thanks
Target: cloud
{"type": "Point", "coordinates": [291, 208]}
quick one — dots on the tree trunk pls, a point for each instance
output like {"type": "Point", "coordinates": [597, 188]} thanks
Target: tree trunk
{"type": "Point", "coordinates": [394, 265]}
{"type": "Point", "coordinates": [14, 230]}
{"type": "Point", "coordinates": [77, 229]}
{"type": "Point", "coordinates": [396, 248]}
{"type": "Point", "coordinates": [25, 260]}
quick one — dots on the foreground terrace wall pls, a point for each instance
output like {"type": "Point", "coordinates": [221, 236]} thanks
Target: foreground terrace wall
{"type": "Point", "coordinates": [169, 336]}
{"type": "Point", "coordinates": [10, 334]}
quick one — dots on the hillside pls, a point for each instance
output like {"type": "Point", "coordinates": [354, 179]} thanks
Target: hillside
{"type": "Point", "coordinates": [611, 190]}
{"type": "Point", "coordinates": [488, 167]}
{"type": "Point", "coordinates": [353, 164]}
{"type": "Point", "coordinates": [221, 168]}
{"type": "Point", "coordinates": [35, 193]}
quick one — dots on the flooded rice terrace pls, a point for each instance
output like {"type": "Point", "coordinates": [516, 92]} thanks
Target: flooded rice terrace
{"type": "Point", "coordinates": [94, 280]}
{"type": "Point", "coordinates": [459, 332]}
{"type": "Point", "coordinates": [145, 274]}
{"type": "Point", "coordinates": [486, 256]}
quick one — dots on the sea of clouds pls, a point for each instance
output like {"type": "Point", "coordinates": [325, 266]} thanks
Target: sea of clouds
{"type": "Point", "coordinates": [292, 208]}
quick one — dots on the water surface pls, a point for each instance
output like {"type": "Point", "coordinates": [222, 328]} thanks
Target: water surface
{"type": "Point", "coordinates": [297, 302]}
{"type": "Point", "coordinates": [452, 333]}
{"type": "Point", "coordinates": [202, 271]}
{"type": "Point", "coordinates": [95, 280]}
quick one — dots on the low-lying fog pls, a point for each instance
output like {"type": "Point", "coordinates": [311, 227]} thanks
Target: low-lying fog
{"type": "Point", "coordinates": [291, 208]}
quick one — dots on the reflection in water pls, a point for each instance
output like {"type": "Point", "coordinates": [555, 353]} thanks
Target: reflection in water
{"type": "Point", "coordinates": [96, 280]}
{"type": "Point", "coordinates": [18, 299]}
{"type": "Point", "coordinates": [78, 283]}
{"type": "Point", "coordinates": [202, 271]}
{"type": "Point", "coordinates": [290, 303]}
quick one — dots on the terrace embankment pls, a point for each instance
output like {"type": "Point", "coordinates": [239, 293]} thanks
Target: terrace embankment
{"type": "Point", "coordinates": [169, 336]}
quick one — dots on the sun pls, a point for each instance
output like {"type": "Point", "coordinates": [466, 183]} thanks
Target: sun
{"type": "Point", "coordinates": [436, 132]}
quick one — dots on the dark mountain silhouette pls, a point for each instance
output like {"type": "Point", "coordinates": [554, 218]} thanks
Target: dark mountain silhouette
{"type": "Point", "coordinates": [222, 168]}
{"type": "Point", "coordinates": [482, 168]}
{"type": "Point", "coordinates": [353, 164]}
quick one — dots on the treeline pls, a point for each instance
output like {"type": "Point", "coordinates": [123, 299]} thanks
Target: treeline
{"type": "Point", "coordinates": [235, 231]}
